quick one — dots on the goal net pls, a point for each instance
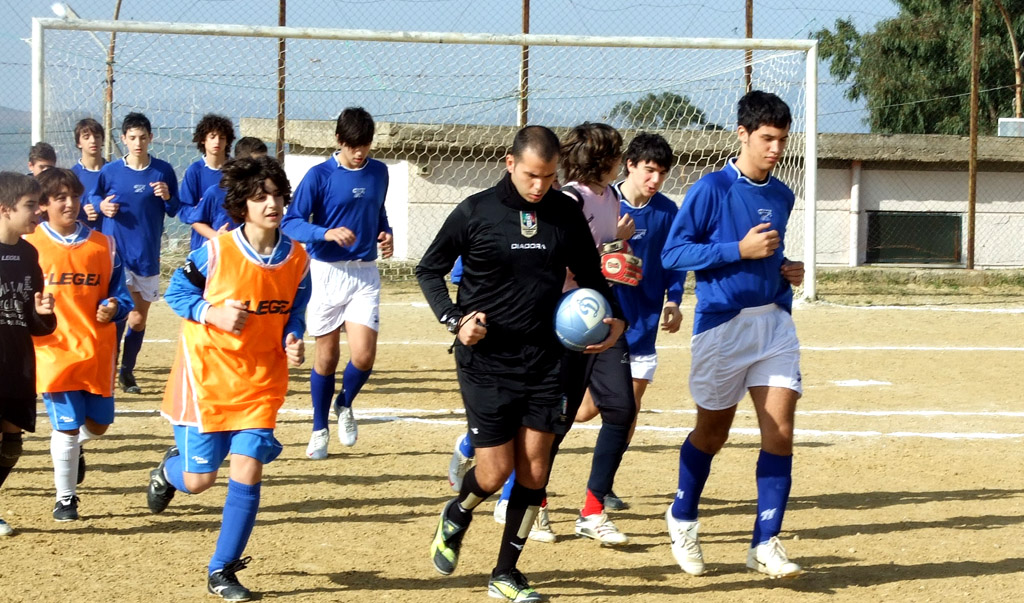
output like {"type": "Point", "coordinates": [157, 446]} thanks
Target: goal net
{"type": "Point", "coordinates": [446, 105]}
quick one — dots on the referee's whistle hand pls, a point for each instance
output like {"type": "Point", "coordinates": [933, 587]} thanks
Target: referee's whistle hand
{"type": "Point", "coordinates": [473, 328]}
{"type": "Point", "coordinates": [618, 326]}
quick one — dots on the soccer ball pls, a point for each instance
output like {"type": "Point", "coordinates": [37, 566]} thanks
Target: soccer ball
{"type": "Point", "coordinates": [579, 319]}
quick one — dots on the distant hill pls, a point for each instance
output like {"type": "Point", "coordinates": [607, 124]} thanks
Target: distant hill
{"type": "Point", "coordinates": [13, 120]}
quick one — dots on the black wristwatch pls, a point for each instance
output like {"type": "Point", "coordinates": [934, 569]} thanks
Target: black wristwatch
{"type": "Point", "coordinates": [452, 324]}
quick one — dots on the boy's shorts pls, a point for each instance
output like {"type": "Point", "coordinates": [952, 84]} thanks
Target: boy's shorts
{"type": "Point", "coordinates": [756, 348]}
{"type": "Point", "coordinates": [342, 292]}
{"type": "Point", "coordinates": [204, 452]}
{"type": "Point", "coordinates": [69, 410]}
{"type": "Point", "coordinates": [148, 287]}
{"type": "Point", "coordinates": [643, 366]}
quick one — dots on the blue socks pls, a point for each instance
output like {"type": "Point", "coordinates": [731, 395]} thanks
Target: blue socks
{"type": "Point", "coordinates": [506, 490]}
{"type": "Point", "coordinates": [240, 509]}
{"type": "Point", "coordinates": [694, 468]}
{"type": "Point", "coordinates": [322, 389]}
{"type": "Point", "coordinates": [466, 448]}
{"type": "Point", "coordinates": [352, 381]}
{"type": "Point", "coordinates": [132, 345]}
{"type": "Point", "coordinates": [774, 479]}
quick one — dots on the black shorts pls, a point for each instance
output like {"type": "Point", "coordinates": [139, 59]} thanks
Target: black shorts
{"type": "Point", "coordinates": [608, 377]}
{"type": "Point", "coordinates": [19, 411]}
{"type": "Point", "coordinates": [504, 389]}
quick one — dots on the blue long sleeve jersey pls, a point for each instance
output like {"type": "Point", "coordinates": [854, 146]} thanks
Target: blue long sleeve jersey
{"type": "Point", "coordinates": [210, 210]}
{"type": "Point", "coordinates": [88, 178]}
{"type": "Point", "coordinates": [330, 196]}
{"type": "Point", "coordinates": [186, 299]}
{"type": "Point", "coordinates": [139, 222]}
{"type": "Point", "coordinates": [717, 213]}
{"type": "Point", "coordinates": [198, 178]}
{"type": "Point", "coordinates": [117, 287]}
{"type": "Point", "coordinates": [642, 304]}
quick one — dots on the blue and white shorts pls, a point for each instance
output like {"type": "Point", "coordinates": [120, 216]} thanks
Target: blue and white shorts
{"type": "Point", "coordinates": [342, 292]}
{"type": "Point", "coordinates": [204, 452]}
{"type": "Point", "coordinates": [756, 348]}
{"type": "Point", "coordinates": [69, 410]}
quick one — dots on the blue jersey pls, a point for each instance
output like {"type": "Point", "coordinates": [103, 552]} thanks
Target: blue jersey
{"type": "Point", "coordinates": [139, 222]}
{"type": "Point", "coordinates": [88, 179]}
{"type": "Point", "coordinates": [199, 177]}
{"type": "Point", "coordinates": [186, 298]}
{"type": "Point", "coordinates": [334, 196]}
{"type": "Point", "coordinates": [642, 304]}
{"type": "Point", "coordinates": [210, 211]}
{"type": "Point", "coordinates": [717, 213]}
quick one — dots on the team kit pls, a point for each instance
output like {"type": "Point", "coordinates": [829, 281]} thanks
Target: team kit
{"type": "Point", "coordinates": [563, 274]}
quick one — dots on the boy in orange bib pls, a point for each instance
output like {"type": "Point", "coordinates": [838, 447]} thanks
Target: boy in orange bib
{"type": "Point", "coordinates": [75, 363]}
{"type": "Point", "coordinates": [243, 296]}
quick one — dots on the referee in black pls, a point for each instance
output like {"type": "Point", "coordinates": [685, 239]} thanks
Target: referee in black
{"type": "Point", "coordinates": [516, 241]}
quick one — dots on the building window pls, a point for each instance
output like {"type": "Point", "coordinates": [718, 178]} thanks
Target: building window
{"type": "Point", "coordinates": [911, 237]}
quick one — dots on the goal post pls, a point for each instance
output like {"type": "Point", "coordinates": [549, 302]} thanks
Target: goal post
{"type": "Point", "coordinates": [445, 103]}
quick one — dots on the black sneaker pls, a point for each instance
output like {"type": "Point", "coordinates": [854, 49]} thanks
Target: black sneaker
{"type": "Point", "coordinates": [512, 586]}
{"type": "Point", "coordinates": [160, 491]}
{"type": "Point", "coordinates": [444, 549]}
{"type": "Point", "coordinates": [81, 466]}
{"type": "Point", "coordinates": [225, 585]}
{"type": "Point", "coordinates": [128, 384]}
{"type": "Point", "coordinates": [614, 503]}
{"type": "Point", "coordinates": [66, 509]}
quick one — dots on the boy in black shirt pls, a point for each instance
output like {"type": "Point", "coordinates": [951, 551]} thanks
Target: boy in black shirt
{"type": "Point", "coordinates": [24, 311]}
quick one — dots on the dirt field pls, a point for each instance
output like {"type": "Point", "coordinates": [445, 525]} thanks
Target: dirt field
{"type": "Point", "coordinates": [907, 482]}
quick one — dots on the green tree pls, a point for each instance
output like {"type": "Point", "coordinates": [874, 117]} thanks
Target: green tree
{"type": "Point", "coordinates": [665, 111]}
{"type": "Point", "coordinates": [914, 70]}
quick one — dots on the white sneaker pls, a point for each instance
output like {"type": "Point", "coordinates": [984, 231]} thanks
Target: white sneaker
{"type": "Point", "coordinates": [500, 508]}
{"type": "Point", "coordinates": [458, 466]}
{"type": "Point", "coordinates": [317, 449]}
{"type": "Point", "coordinates": [541, 530]}
{"type": "Point", "coordinates": [5, 528]}
{"type": "Point", "coordinates": [600, 528]}
{"type": "Point", "coordinates": [770, 558]}
{"type": "Point", "coordinates": [348, 431]}
{"type": "Point", "coordinates": [685, 544]}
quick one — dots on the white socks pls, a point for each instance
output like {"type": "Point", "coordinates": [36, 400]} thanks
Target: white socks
{"type": "Point", "coordinates": [64, 449]}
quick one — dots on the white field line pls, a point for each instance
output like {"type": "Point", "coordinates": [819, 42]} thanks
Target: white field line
{"type": "Point", "coordinates": [920, 308]}
{"type": "Point", "coordinates": [423, 416]}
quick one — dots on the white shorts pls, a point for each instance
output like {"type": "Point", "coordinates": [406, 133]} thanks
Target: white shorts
{"type": "Point", "coordinates": [342, 292]}
{"type": "Point", "coordinates": [757, 348]}
{"type": "Point", "coordinates": [643, 366]}
{"type": "Point", "coordinates": [148, 287]}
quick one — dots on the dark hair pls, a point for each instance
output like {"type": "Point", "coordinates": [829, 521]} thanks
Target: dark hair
{"type": "Point", "coordinates": [355, 127]}
{"type": "Point", "coordinates": [589, 151]}
{"type": "Point", "coordinates": [89, 125]}
{"type": "Point", "coordinates": [243, 179]}
{"type": "Point", "coordinates": [136, 120]}
{"type": "Point", "coordinates": [247, 145]}
{"type": "Point", "coordinates": [538, 139]}
{"type": "Point", "coordinates": [42, 150]}
{"type": "Point", "coordinates": [758, 108]}
{"type": "Point", "coordinates": [52, 180]}
{"type": "Point", "coordinates": [14, 186]}
{"type": "Point", "coordinates": [209, 124]}
{"type": "Point", "coordinates": [648, 147]}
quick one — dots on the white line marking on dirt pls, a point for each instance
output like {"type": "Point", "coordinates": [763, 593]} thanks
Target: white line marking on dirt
{"type": "Point", "coordinates": [859, 383]}
{"type": "Point", "coordinates": [923, 308]}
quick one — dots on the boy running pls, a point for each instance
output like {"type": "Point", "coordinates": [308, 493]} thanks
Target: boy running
{"type": "Point", "coordinates": [243, 296]}
{"type": "Point", "coordinates": [210, 219]}
{"type": "Point", "coordinates": [89, 137]}
{"type": "Point", "coordinates": [730, 231]}
{"type": "Point", "coordinates": [24, 311]}
{"type": "Point", "coordinates": [134, 193]}
{"type": "Point", "coordinates": [345, 198]}
{"type": "Point", "coordinates": [75, 363]}
{"type": "Point", "coordinates": [213, 137]}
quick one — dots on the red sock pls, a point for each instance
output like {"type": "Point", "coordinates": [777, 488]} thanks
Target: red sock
{"type": "Point", "coordinates": [544, 503]}
{"type": "Point", "coordinates": [592, 506]}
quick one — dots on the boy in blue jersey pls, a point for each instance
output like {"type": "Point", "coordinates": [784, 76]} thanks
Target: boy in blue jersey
{"type": "Point", "coordinates": [209, 218]}
{"type": "Point", "coordinates": [41, 157]}
{"type": "Point", "coordinates": [345, 197]}
{"type": "Point", "coordinates": [133, 194]}
{"type": "Point", "coordinates": [730, 231]}
{"type": "Point", "coordinates": [656, 298]}
{"type": "Point", "coordinates": [230, 404]}
{"type": "Point", "coordinates": [89, 137]}
{"type": "Point", "coordinates": [213, 137]}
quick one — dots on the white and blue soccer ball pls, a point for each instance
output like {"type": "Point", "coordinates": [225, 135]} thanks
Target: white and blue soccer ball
{"type": "Point", "coordinates": [579, 319]}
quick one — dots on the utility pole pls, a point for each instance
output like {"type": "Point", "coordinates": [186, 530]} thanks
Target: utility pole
{"type": "Point", "coordinates": [524, 71]}
{"type": "Point", "coordinates": [279, 139]}
{"type": "Point", "coordinates": [972, 161]}
{"type": "Point", "coordinates": [748, 70]}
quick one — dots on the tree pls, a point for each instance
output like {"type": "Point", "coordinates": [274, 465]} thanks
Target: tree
{"type": "Point", "coordinates": [665, 111]}
{"type": "Point", "coordinates": [914, 70]}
